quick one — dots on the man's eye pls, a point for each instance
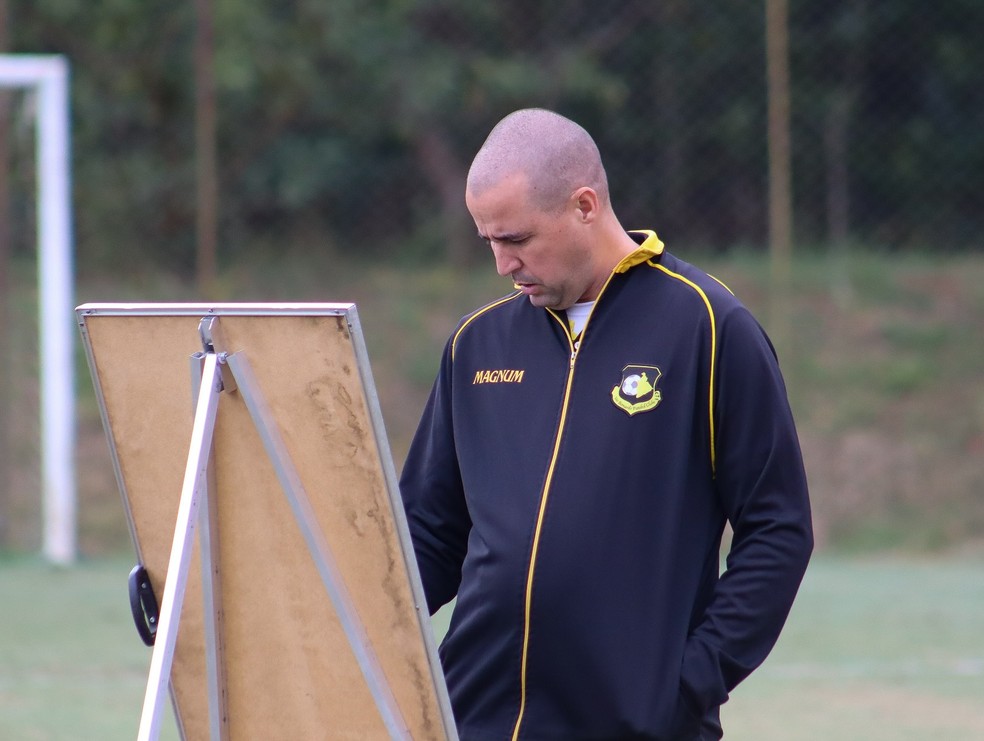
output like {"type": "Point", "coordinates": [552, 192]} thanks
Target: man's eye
{"type": "Point", "coordinates": [505, 241]}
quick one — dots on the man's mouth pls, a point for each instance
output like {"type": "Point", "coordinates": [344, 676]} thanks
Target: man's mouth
{"type": "Point", "coordinates": [526, 288]}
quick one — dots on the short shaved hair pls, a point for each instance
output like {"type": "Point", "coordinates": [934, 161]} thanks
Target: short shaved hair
{"type": "Point", "coordinates": [556, 155]}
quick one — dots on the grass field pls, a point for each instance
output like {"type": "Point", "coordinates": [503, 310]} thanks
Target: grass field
{"type": "Point", "coordinates": [876, 649]}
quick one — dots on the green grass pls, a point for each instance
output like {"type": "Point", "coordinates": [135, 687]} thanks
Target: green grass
{"type": "Point", "coordinates": [875, 649]}
{"type": "Point", "coordinates": [879, 649]}
{"type": "Point", "coordinates": [71, 663]}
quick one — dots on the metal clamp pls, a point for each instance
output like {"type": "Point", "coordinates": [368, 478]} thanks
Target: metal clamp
{"type": "Point", "coordinates": [143, 605]}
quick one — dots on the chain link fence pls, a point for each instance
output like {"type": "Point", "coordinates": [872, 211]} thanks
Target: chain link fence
{"type": "Point", "coordinates": [354, 123]}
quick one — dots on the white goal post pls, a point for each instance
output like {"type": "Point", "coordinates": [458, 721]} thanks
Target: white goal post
{"type": "Point", "coordinates": [47, 77]}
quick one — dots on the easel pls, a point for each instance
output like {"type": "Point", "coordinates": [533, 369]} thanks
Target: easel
{"type": "Point", "coordinates": [216, 370]}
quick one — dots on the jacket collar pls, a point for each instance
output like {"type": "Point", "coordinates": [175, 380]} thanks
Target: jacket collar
{"type": "Point", "coordinates": [650, 246]}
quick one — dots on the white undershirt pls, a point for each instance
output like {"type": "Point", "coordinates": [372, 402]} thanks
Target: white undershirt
{"type": "Point", "coordinates": [577, 315]}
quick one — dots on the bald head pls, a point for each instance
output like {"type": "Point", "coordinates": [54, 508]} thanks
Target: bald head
{"type": "Point", "coordinates": [556, 155]}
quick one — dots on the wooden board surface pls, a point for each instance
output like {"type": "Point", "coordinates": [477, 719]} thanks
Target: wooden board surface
{"type": "Point", "coordinates": [290, 671]}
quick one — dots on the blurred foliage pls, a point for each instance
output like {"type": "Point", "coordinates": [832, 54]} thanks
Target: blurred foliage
{"type": "Point", "coordinates": [349, 125]}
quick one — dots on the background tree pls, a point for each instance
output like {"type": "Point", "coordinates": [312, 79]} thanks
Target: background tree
{"type": "Point", "coordinates": [348, 125]}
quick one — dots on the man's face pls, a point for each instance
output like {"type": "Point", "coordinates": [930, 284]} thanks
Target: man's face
{"type": "Point", "coordinates": [544, 252]}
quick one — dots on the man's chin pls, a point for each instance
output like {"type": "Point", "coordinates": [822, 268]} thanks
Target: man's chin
{"type": "Point", "coordinates": [544, 302]}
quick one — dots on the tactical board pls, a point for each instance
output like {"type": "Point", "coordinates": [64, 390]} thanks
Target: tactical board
{"type": "Point", "coordinates": [288, 669]}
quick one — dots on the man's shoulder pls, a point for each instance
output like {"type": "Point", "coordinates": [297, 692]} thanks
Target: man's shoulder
{"type": "Point", "coordinates": [489, 315]}
{"type": "Point", "coordinates": [690, 278]}
{"type": "Point", "coordinates": [492, 310]}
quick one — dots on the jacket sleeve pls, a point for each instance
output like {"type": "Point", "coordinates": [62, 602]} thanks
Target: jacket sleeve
{"type": "Point", "coordinates": [433, 496]}
{"type": "Point", "coordinates": [761, 483]}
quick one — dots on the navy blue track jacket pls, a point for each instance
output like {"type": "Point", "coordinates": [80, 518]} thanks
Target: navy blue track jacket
{"type": "Point", "coordinates": [573, 496]}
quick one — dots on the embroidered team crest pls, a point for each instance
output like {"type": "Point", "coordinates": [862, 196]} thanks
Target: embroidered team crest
{"type": "Point", "coordinates": [637, 390]}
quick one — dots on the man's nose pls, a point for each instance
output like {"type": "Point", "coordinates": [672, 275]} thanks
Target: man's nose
{"type": "Point", "coordinates": [505, 263]}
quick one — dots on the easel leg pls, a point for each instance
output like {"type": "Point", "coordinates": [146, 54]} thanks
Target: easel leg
{"type": "Point", "coordinates": [290, 482]}
{"type": "Point", "coordinates": [208, 542]}
{"type": "Point", "coordinates": [184, 531]}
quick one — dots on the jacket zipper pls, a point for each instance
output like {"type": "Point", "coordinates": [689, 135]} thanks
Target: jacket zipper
{"type": "Point", "coordinates": [543, 501]}
{"type": "Point", "coordinates": [536, 537]}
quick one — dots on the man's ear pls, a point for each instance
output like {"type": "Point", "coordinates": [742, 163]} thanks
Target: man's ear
{"type": "Point", "coordinates": [587, 204]}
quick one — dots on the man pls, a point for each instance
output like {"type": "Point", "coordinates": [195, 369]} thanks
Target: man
{"type": "Point", "coordinates": [586, 440]}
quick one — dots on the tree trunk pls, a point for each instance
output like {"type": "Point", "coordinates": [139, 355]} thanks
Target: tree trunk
{"type": "Point", "coordinates": [206, 164]}
{"type": "Point", "coordinates": [836, 125]}
{"type": "Point", "coordinates": [448, 174]}
{"type": "Point", "coordinates": [836, 148]}
{"type": "Point", "coordinates": [672, 144]}
{"type": "Point", "coordinates": [835, 152]}
{"type": "Point", "coordinates": [780, 167]}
